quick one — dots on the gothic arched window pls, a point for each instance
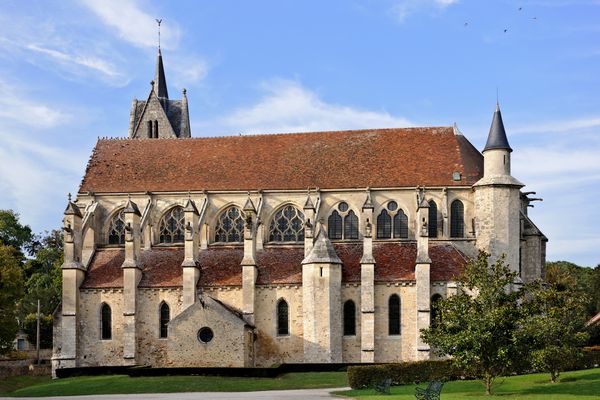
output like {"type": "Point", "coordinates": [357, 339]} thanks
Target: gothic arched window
{"type": "Point", "coordinates": [105, 322]}
{"type": "Point", "coordinates": [435, 310]}
{"type": "Point", "coordinates": [351, 226]}
{"type": "Point", "coordinates": [116, 230]}
{"type": "Point", "coordinates": [394, 315]}
{"type": "Point", "coordinates": [433, 226]}
{"type": "Point", "coordinates": [392, 220]}
{"type": "Point", "coordinates": [287, 225]}
{"type": "Point", "coordinates": [171, 226]}
{"type": "Point", "coordinates": [457, 219]}
{"type": "Point", "coordinates": [400, 225]}
{"type": "Point", "coordinates": [334, 226]}
{"type": "Point", "coordinates": [230, 226]}
{"type": "Point", "coordinates": [282, 318]}
{"type": "Point", "coordinates": [384, 225]}
{"type": "Point", "coordinates": [165, 317]}
{"type": "Point", "coordinates": [342, 223]}
{"type": "Point", "coordinates": [349, 318]}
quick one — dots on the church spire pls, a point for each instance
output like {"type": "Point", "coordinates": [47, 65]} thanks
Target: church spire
{"type": "Point", "coordinates": [160, 82]}
{"type": "Point", "coordinates": [497, 137]}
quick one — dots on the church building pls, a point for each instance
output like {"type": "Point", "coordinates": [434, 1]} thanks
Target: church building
{"type": "Point", "coordinates": [246, 251]}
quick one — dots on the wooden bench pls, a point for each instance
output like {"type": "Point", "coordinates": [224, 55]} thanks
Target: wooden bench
{"type": "Point", "coordinates": [383, 387]}
{"type": "Point", "coordinates": [431, 392]}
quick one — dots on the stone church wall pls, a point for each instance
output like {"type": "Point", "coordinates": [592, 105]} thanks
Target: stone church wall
{"type": "Point", "coordinates": [93, 350]}
{"type": "Point", "coordinates": [396, 347]}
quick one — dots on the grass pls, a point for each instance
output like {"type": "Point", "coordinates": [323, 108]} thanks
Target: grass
{"type": "Point", "coordinates": [583, 384]}
{"type": "Point", "coordinates": [11, 384]}
{"type": "Point", "coordinates": [90, 385]}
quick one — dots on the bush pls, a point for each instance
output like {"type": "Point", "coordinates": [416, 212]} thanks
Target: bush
{"type": "Point", "coordinates": [590, 358]}
{"type": "Point", "coordinates": [363, 376]}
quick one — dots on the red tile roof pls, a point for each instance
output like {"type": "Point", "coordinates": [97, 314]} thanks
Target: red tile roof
{"type": "Point", "coordinates": [276, 265]}
{"type": "Point", "coordinates": [342, 159]}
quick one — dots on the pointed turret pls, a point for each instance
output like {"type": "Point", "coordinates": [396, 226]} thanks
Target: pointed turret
{"type": "Point", "coordinates": [322, 250]}
{"type": "Point", "coordinates": [497, 137]}
{"type": "Point", "coordinates": [160, 82]}
{"type": "Point", "coordinates": [185, 131]}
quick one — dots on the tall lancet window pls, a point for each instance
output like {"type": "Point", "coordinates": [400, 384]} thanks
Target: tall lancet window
{"type": "Point", "coordinates": [105, 322]}
{"type": "Point", "coordinates": [392, 221]}
{"type": "Point", "coordinates": [433, 216]}
{"type": "Point", "coordinates": [394, 315]}
{"type": "Point", "coordinates": [165, 317]}
{"type": "Point", "coordinates": [342, 223]}
{"type": "Point", "coordinates": [171, 226]}
{"type": "Point", "coordinates": [283, 325]}
{"type": "Point", "coordinates": [116, 229]}
{"type": "Point", "coordinates": [457, 219]}
{"type": "Point", "coordinates": [287, 225]}
{"type": "Point", "coordinates": [230, 226]}
{"type": "Point", "coordinates": [349, 318]}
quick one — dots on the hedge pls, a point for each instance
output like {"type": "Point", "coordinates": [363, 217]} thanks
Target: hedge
{"type": "Point", "coordinates": [402, 373]}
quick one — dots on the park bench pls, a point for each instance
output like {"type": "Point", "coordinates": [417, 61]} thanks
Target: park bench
{"type": "Point", "coordinates": [383, 387]}
{"type": "Point", "coordinates": [431, 392]}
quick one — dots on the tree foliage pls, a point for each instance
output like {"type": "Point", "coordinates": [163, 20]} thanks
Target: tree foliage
{"type": "Point", "coordinates": [13, 233]}
{"type": "Point", "coordinates": [11, 290]}
{"type": "Point", "coordinates": [479, 327]}
{"type": "Point", "coordinates": [554, 327]}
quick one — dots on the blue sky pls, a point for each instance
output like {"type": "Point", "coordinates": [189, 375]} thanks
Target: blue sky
{"type": "Point", "coordinates": [69, 69]}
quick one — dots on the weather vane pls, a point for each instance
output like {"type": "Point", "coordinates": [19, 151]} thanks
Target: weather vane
{"type": "Point", "coordinates": [159, 21]}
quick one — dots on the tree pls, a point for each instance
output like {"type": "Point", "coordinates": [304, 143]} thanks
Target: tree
{"type": "Point", "coordinates": [11, 290]}
{"type": "Point", "coordinates": [564, 275]}
{"type": "Point", "coordinates": [12, 233]}
{"type": "Point", "coordinates": [554, 327]}
{"type": "Point", "coordinates": [479, 327]}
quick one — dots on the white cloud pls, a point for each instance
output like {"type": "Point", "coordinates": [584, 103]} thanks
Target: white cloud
{"type": "Point", "coordinates": [563, 126]}
{"type": "Point", "coordinates": [91, 62]}
{"type": "Point", "coordinates": [289, 107]}
{"type": "Point", "coordinates": [132, 24]}
{"type": "Point", "coordinates": [186, 70]}
{"type": "Point", "coordinates": [401, 9]}
{"type": "Point", "coordinates": [16, 108]}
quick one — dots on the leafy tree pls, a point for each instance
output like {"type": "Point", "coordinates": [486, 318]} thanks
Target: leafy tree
{"type": "Point", "coordinates": [12, 233]}
{"type": "Point", "coordinates": [564, 275]}
{"type": "Point", "coordinates": [11, 289]}
{"type": "Point", "coordinates": [554, 327]}
{"type": "Point", "coordinates": [43, 282]}
{"type": "Point", "coordinates": [479, 327]}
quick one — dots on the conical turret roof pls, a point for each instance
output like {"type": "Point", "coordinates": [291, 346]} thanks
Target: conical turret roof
{"type": "Point", "coordinates": [322, 251]}
{"type": "Point", "coordinates": [497, 137]}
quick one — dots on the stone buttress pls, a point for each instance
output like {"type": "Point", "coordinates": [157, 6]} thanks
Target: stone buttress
{"type": "Point", "coordinates": [423, 279]}
{"type": "Point", "coordinates": [190, 266]}
{"type": "Point", "coordinates": [367, 286]}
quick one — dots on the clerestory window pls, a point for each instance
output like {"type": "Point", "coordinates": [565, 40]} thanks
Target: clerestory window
{"type": "Point", "coordinates": [116, 229]}
{"type": "Point", "coordinates": [457, 219]}
{"type": "Point", "coordinates": [433, 219]}
{"type": "Point", "coordinates": [392, 222]}
{"type": "Point", "coordinates": [287, 225]}
{"type": "Point", "coordinates": [172, 226]}
{"type": "Point", "coordinates": [230, 226]}
{"type": "Point", "coordinates": [342, 223]}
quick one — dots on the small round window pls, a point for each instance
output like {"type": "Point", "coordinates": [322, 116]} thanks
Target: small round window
{"type": "Point", "coordinates": [343, 207]}
{"type": "Point", "coordinates": [392, 206]}
{"type": "Point", "coordinates": [205, 335]}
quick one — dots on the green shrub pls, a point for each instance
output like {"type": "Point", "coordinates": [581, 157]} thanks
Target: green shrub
{"type": "Point", "coordinates": [363, 376]}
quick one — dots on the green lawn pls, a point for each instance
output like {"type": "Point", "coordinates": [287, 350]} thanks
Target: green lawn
{"type": "Point", "coordinates": [572, 385]}
{"type": "Point", "coordinates": [9, 385]}
{"type": "Point", "coordinates": [125, 384]}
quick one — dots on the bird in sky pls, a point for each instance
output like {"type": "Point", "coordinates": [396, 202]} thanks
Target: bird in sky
{"type": "Point", "coordinates": [466, 24]}
{"type": "Point", "coordinates": [506, 30]}
{"type": "Point", "coordinates": [520, 8]}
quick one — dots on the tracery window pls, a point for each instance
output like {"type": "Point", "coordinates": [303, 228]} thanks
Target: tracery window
{"type": "Point", "coordinates": [230, 226]}
{"type": "Point", "coordinates": [116, 230]}
{"type": "Point", "coordinates": [342, 223]}
{"type": "Point", "coordinates": [433, 215]}
{"type": "Point", "coordinates": [287, 225]}
{"type": "Point", "coordinates": [457, 219]}
{"type": "Point", "coordinates": [282, 318]}
{"type": "Point", "coordinates": [349, 318]}
{"type": "Point", "coordinates": [105, 322]}
{"type": "Point", "coordinates": [165, 317]}
{"type": "Point", "coordinates": [172, 225]}
{"type": "Point", "coordinates": [394, 315]}
{"type": "Point", "coordinates": [392, 220]}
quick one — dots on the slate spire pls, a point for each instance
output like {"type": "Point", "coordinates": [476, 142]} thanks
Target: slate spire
{"type": "Point", "coordinates": [497, 137]}
{"type": "Point", "coordinates": [160, 82]}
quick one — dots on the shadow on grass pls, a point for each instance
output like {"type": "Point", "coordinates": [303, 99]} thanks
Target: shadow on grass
{"type": "Point", "coordinates": [571, 385]}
